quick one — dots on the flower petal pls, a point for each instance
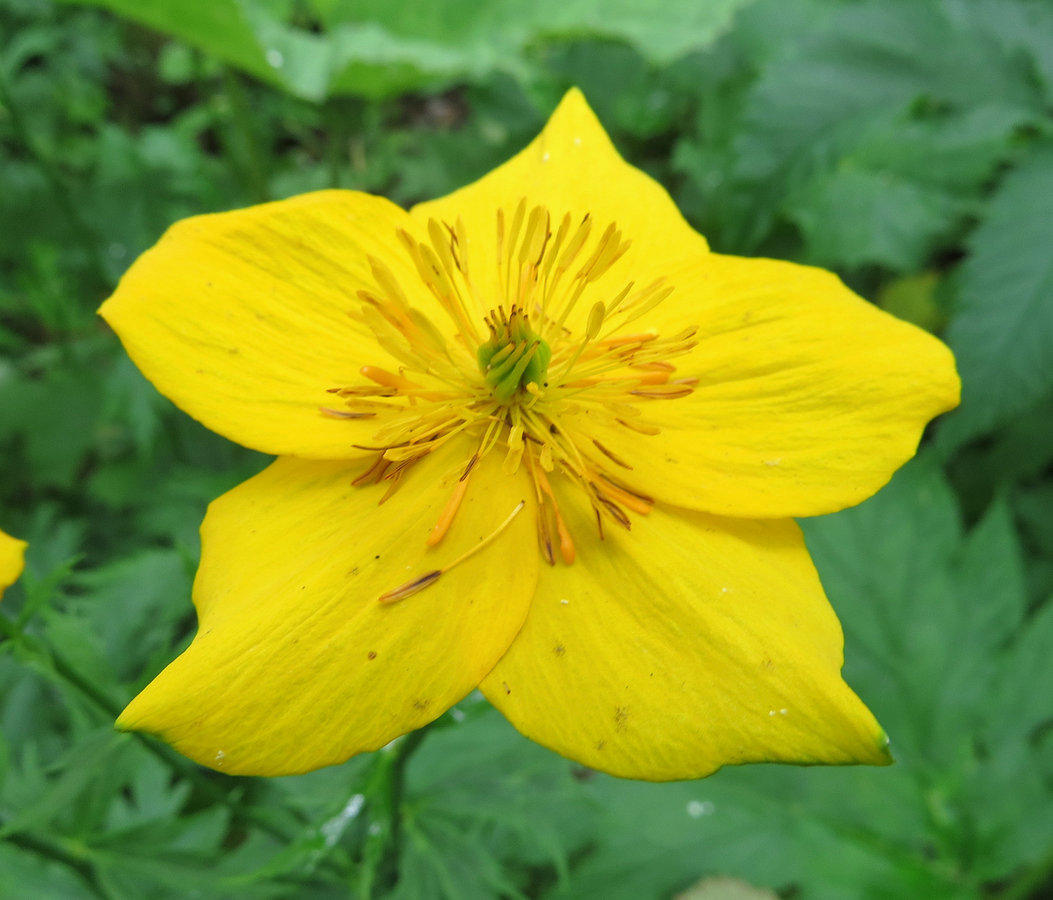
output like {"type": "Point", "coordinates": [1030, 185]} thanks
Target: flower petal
{"type": "Point", "coordinates": [241, 318]}
{"type": "Point", "coordinates": [572, 167]}
{"type": "Point", "coordinates": [690, 643]}
{"type": "Point", "coordinates": [808, 398]}
{"type": "Point", "coordinates": [296, 664]}
{"type": "Point", "coordinates": [12, 560]}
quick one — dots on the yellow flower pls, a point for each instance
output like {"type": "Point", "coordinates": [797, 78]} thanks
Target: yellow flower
{"type": "Point", "coordinates": [12, 560]}
{"type": "Point", "coordinates": [533, 437]}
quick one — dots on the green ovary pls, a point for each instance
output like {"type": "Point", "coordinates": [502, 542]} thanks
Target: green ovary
{"type": "Point", "coordinates": [514, 355]}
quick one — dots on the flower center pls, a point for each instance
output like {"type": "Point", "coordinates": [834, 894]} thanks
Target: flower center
{"type": "Point", "coordinates": [514, 356]}
{"type": "Point", "coordinates": [522, 385]}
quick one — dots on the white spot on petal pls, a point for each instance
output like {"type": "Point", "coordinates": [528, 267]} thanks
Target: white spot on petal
{"type": "Point", "coordinates": [545, 156]}
{"type": "Point", "coordinates": [773, 462]}
{"type": "Point", "coordinates": [563, 602]}
{"type": "Point", "coordinates": [577, 141]}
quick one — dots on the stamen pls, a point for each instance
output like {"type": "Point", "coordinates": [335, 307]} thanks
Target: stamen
{"type": "Point", "coordinates": [374, 473]}
{"type": "Point", "coordinates": [387, 379]}
{"type": "Point", "coordinates": [515, 450]}
{"type": "Point", "coordinates": [610, 455]}
{"type": "Point", "coordinates": [344, 413]}
{"type": "Point", "coordinates": [664, 391]}
{"type": "Point", "coordinates": [592, 328]}
{"type": "Point", "coordinates": [505, 263]}
{"type": "Point", "coordinates": [535, 237]}
{"type": "Point", "coordinates": [566, 542]}
{"type": "Point", "coordinates": [607, 252]}
{"type": "Point", "coordinates": [639, 427]}
{"type": "Point", "coordinates": [429, 578]}
{"type": "Point", "coordinates": [448, 512]}
{"type": "Point", "coordinates": [460, 240]}
{"type": "Point", "coordinates": [388, 283]}
{"type": "Point", "coordinates": [610, 507]}
{"type": "Point", "coordinates": [410, 587]}
{"type": "Point", "coordinates": [636, 502]}
{"type": "Point", "coordinates": [434, 396]}
{"type": "Point", "coordinates": [440, 241]}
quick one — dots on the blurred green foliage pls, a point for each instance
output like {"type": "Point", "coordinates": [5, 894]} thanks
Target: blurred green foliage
{"type": "Point", "coordinates": [908, 145]}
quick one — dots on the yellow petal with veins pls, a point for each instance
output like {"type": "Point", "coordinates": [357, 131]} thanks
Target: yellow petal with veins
{"type": "Point", "coordinates": [808, 398]}
{"type": "Point", "coordinates": [688, 644]}
{"type": "Point", "coordinates": [241, 318]}
{"type": "Point", "coordinates": [296, 663]}
{"type": "Point", "coordinates": [572, 167]}
{"type": "Point", "coordinates": [12, 560]}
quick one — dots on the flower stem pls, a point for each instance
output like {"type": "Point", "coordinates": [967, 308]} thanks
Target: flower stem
{"type": "Point", "coordinates": [385, 790]}
{"type": "Point", "coordinates": [396, 787]}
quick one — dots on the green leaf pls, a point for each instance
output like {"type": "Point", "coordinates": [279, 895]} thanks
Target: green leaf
{"type": "Point", "coordinates": [875, 131]}
{"type": "Point", "coordinates": [76, 771]}
{"type": "Point", "coordinates": [27, 871]}
{"type": "Point", "coordinates": [1021, 28]}
{"type": "Point", "coordinates": [853, 216]}
{"type": "Point", "coordinates": [904, 189]}
{"type": "Point", "coordinates": [221, 28]}
{"type": "Point", "coordinates": [135, 606]}
{"type": "Point", "coordinates": [57, 415]}
{"type": "Point", "coordinates": [376, 48]}
{"type": "Point", "coordinates": [661, 32]}
{"type": "Point", "coordinates": [871, 60]}
{"type": "Point", "coordinates": [1002, 331]}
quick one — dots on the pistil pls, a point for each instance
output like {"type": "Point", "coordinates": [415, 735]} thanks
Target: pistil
{"type": "Point", "coordinates": [514, 356]}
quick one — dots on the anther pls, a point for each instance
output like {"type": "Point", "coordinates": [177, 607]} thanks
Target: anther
{"type": "Point", "coordinates": [610, 455]}
{"type": "Point", "coordinates": [429, 578]}
{"type": "Point", "coordinates": [344, 413]}
{"type": "Point", "coordinates": [410, 587]}
{"type": "Point", "coordinates": [438, 532]}
{"type": "Point", "coordinates": [664, 391]}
